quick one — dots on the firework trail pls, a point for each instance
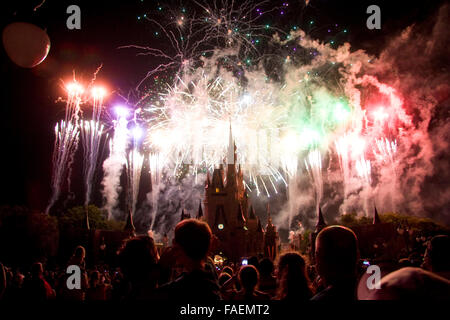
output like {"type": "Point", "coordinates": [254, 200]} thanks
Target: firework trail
{"type": "Point", "coordinates": [135, 160]}
{"type": "Point", "coordinates": [115, 162]}
{"type": "Point", "coordinates": [313, 164]}
{"type": "Point", "coordinates": [299, 95]}
{"type": "Point", "coordinates": [385, 151]}
{"type": "Point", "coordinates": [66, 142]}
{"type": "Point", "coordinates": [91, 137]}
{"type": "Point", "coordinates": [363, 168]}
{"type": "Point", "coordinates": [342, 149]}
{"type": "Point", "coordinates": [227, 24]}
{"type": "Point", "coordinates": [156, 165]}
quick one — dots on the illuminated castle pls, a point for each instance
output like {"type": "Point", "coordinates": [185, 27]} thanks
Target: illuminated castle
{"type": "Point", "coordinates": [237, 229]}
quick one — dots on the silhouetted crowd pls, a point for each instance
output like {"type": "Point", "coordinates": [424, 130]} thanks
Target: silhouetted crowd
{"type": "Point", "coordinates": [185, 272]}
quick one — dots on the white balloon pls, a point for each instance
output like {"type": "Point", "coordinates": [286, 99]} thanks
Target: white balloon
{"type": "Point", "coordinates": [25, 44]}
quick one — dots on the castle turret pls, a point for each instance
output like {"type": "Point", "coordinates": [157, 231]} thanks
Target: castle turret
{"type": "Point", "coordinates": [184, 215]}
{"type": "Point", "coordinates": [226, 209]}
{"type": "Point", "coordinates": [200, 211]}
{"type": "Point", "coordinates": [270, 237]}
{"type": "Point", "coordinates": [240, 217]}
{"type": "Point", "coordinates": [259, 227]}
{"type": "Point", "coordinates": [312, 237]}
{"type": "Point", "coordinates": [129, 226]}
{"type": "Point", "coordinates": [376, 218]}
{"type": "Point", "coordinates": [217, 180]}
{"type": "Point", "coordinates": [251, 214]}
{"type": "Point", "coordinates": [231, 162]}
{"type": "Point", "coordinates": [208, 180]}
{"type": "Point", "coordinates": [320, 221]}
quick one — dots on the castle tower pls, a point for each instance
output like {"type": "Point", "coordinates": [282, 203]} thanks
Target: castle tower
{"type": "Point", "coordinates": [129, 226]}
{"type": "Point", "coordinates": [270, 238]}
{"type": "Point", "coordinates": [312, 237]}
{"type": "Point", "coordinates": [376, 217]}
{"type": "Point", "coordinates": [200, 211]}
{"type": "Point", "coordinates": [256, 234]}
{"type": "Point", "coordinates": [226, 204]}
{"type": "Point", "coordinates": [184, 215]}
{"type": "Point", "coordinates": [320, 221]}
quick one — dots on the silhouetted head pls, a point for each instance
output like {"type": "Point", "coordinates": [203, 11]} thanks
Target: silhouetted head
{"type": "Point", "coordinates": [228, 270]}
{"type": "Point", "coordinates": [79, 253]}
{"type": "Point", "coordinates": [292, 278]}
{"type": "Point", "coordinates": [194, 238]}
{"type": "Point", "coordinates": [248, 277]}
{"type": "Point", "coordinates": [37, 269]}
{"type": "Point", "coordinates": [437, 254]}
{"type": "Point", "coordinates": [224, 277]}
{"type": "Point", "coordinates": [336, 254]}
{"type": "Point", "coordinates": [265, 267]}
{"type": "Point", "coordinates": [291, 260]}
{"type": "Point", "coordinates": [412, 284]}
{"type": "Point", "coordinates": [138, 257]}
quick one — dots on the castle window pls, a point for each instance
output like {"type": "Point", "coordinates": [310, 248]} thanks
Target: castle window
{"type": "Point", "coordinates": [217, 190]}
{"type": "Point", "coordinates": [220, 226]}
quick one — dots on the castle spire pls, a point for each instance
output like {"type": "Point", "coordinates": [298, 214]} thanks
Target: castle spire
{"type": "Point", "coordinates": [231, 162]}
{"type": "Point", "coordinates": [320, 221]}
{"type": "Point", "coordinates": [252, 215]}
{"type": "Point", "coordinates": [231, 155]}
{"type": "Point", "coordinates": [129, 226]}
{"type": "Point", "coordinates": [376, 218]}
{"type": "Point", "coordinates": [200, 211]}
{"type": "Point", "coordinates": [259, 228]}
{"type": "Point", "coordinates": [208, 179]}
{"type": "Point", "coordinates": [184, 215]}
{"type": "Point", "coordinates": [240, 215]}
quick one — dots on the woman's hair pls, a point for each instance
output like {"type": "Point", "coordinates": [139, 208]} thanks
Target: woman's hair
{"type": "Point", "coordinates": [79, 252]}
{"type": "Point", "coordinates": [224, 277]}
{"type": "Point", "coordinates": [138, 257]}
{"type": "Point", "coordinates": [293, 281]}
{"type": "Point", "coordinates": [248, 277]}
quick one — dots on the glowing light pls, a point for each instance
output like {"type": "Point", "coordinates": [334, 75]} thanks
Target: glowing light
{"type": "Point", "coordinates": [220, 226]}
{"type": "Point", "coordinates": [98, 92]}
{"type": "Point", "coordinates": [341, 113]}
{"type": "Point", "coordinates": [137, 133]}
{"type": "Point", "coordinates": [74, 88]}
{"type": "Point", "coordinates": [379, 114]}
{"type": "Point", "coordinates": [363, 168]}
{"type": "Point", "coordinates": [246, 99]}
{"type": "Point", "coordinates": [121, 111]}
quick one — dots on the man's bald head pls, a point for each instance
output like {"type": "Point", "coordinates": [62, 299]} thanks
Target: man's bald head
{"type": "Point", "coordinates": [336, 253]}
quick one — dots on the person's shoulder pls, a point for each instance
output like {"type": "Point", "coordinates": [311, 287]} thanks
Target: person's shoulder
{"type": "Point", "coordinates": [168, 289]}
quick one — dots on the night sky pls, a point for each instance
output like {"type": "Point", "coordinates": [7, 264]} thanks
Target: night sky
{"type": "Point", "coordinates": [28, 108]}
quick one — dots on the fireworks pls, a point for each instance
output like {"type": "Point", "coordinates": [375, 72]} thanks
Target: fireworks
{"type": "Point", "coordinates": [113, 165]}
{"type": "Point", "coordinates": [91, 135]}
{"type": "Point", "coordinates": [313, 164]}
{"type": "Point", "coordinates": [285, 110]}
{"type": "Point", "coordinates": [134, 168]}
{"type": "Point", "coordinates": [66, 141]}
